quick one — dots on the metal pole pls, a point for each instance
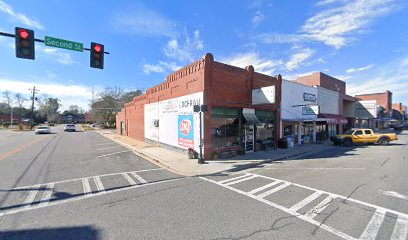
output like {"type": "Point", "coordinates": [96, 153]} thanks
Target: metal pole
{"type": "Point", "coordinates": [200, 159]}
{"type": "Point", "coordinates": [11, 117]}
{"type": "Point", "coordinates": [32, 110]}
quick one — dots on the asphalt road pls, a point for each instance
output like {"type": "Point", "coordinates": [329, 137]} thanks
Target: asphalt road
{"type": "Point", "coordinates": [83, 186]}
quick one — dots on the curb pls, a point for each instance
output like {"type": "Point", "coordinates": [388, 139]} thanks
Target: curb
{"type": "Point", "coordinates": [157, 161]}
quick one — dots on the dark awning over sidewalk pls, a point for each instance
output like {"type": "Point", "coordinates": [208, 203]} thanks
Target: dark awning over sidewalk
{"type": "Point", "coordinates": [333, 118]}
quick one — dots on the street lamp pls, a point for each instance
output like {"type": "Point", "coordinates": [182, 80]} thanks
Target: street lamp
{"type": "Point", "coordinates": [200, 109]}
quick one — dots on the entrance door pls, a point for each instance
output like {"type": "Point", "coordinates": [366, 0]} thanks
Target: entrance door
{"type": "Point", "coordinates": [249, 138]}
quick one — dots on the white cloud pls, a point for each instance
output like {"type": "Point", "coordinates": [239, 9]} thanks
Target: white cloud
{"type": "Point", "coordinates": [187, 50]}
{"type": "Point", "coordinates": [258, 18]}
{"type": "Point", "coordinates": [144, 22]}
{"type": "Point", "coordinates": [338, 23]}
{"type": "Point", "coordinates": [19, 17]}
{"type": "Point", "coordinates": [352, 70]}
{"type": "Point", "coordinates": [297, 59]}
{"type": "Point", "coordinates": [393, 76]}
{"type": "Point", "coordinates": [160, 67]}
{"type": "Point", "coordinates": [58, 55]}
{"type": "Point", "coordinates": [68, 93]}
{"type": "Point", "coordinates": [262, 65]}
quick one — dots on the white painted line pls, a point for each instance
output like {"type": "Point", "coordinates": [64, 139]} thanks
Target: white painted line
{"type": "Point", "coordinates": [274, 190]}
{"type": "Point", "coordinates": [240, 180]}
{"type": "Point", "coordinates": [86, 186]}
{"type": "Point", "coordinates": [109, 154]}
{"type": "Point", "coordinates": [289, 168]}
{"type": "Point", "coordinates": [284, 209]}
{"type": "Point", "coordinates": [100, 144]}
{"type": "Point", "coordinates": [394, 194]}
{"type": "Point", "coordinates": [342, 197]}
{"type": "Point", "coordinates": [99, 184]}
{"type": "Point", "coordinates": [31, 195]}
{"type": "Point", "coordinates": [130, 180]}
{"type": "Point", "coordinates": [104, 175]}
{"type": "Point", "coordinates": [372, 228]}
{"type": "Point", "coordinates": [400, 230]}
{"type": "Point", "coordinates": [47, 194]}
{"type": "Point", "coordinates": [312, 213]}
{"type": "Point", "coordinates": [232, 179]}
{"type": "Point", "coordinates": [138, 177]}
{"type": "Point", "coordinates": [10, 212]}
{"type": "Point", "coordinates": [108, 148]}
{"type": "Point", "coordinates": [264, 187]}
{"type": "Point", "coordinates": [305, 201]}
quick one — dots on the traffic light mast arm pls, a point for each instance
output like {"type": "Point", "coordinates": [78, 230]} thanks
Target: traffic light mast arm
{"type": "Point", "coordinates": [37, 40]}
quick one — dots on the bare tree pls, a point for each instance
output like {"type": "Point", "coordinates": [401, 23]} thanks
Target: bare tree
{"type": "Point", "coordinates": [7, 97]}
{"type": "Point", "coordinates": [20, 99]}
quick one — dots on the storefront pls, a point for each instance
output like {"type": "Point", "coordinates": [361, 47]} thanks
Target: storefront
{"type": "Point", "coordinates": [299, 111]}
{"type": "Point", "coordinates": [243, 110]}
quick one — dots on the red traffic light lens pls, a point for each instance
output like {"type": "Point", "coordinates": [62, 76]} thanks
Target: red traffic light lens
{"type": "Point", "coordinates": [23, 33]}
{"type": "Point", "coordinates": [97, 48]}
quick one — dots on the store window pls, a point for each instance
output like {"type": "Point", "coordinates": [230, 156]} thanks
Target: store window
{"type": "Point", "coordinates": [225, 124]}
{"type": "Point", "coordinates": [266, 131]}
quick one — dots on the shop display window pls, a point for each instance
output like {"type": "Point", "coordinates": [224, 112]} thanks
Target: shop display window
{"type": "Point", "coordinates": [225, 124]}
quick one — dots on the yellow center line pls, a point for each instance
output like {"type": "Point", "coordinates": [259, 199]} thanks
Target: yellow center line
{"type": "Point", "coordinates": [20, 148]}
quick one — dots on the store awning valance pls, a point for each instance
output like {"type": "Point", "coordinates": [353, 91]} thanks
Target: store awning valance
{"type": "Point", "coordinates": [250, 117]}
{"type": "Point", "coordinates": [333, 118]}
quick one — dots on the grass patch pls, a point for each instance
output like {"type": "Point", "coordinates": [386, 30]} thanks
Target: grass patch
{"type": "Point", "coordinates": [87, 127]}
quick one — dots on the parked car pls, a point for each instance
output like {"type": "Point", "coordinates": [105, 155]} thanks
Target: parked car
{"type": "Point", "coordinates": [401, 127]}
{"type": "Point", "coordinates": [69, 128]}
{"type": "Point", "coordinates": [42, 129]}
{"type": "Point", "coordinates": [361, 135]}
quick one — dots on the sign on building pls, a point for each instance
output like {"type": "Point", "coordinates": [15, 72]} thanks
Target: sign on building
{"type": "Point", "coordinates": [186, 131]}
{"type": "Point", "coordinates": [310, 110]}
{"type": "Point", "coordinates": [265, 95]}
{"type": "Point", "coordinates": [365, 109]}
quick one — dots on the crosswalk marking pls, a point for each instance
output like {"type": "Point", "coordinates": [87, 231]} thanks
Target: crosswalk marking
{"type": "Point", "coordinates": [305, 201]}
{"type": "Point", "coordinates": [274, 190]}
{"type": "Point", "coordinates": [240, 180]}
{"type": "Point", "coordinates": [232, 179]}
{"type": "Point", "coordinates": [99, 184]}
{"type": "Point", "coordinates": [31, 196]}
{"type": "Point", "coordinates": [86, 186]}
{"type": "Point", "coordinates": [130, 180]}
{"type": "Point", "coordinates": [372, 228]}
{"type": "Point", "coordinates": [264, 187]}
{"type": "Point", "coordinates": [400, 231]}
{"type": "Point", "coordinates": [138, 177]}
{"type": "Point", "coordinates": [47, 194]}
{"type": "Point", "coordinates": [312, 213]}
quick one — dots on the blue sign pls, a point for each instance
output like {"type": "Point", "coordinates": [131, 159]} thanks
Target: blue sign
{"type": "Point", "coordinates": [186, 131]}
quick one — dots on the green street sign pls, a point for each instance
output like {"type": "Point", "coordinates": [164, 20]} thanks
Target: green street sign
{"type": "Point", "coordinates": [65, 44]}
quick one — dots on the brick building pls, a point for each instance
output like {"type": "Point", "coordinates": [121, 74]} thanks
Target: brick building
{"type": "Point", "coordinates": [384, 108]}
{"type": "Point", "coordinates": [400, 110]}
{"type": "Point", "coordinates": [344, 116]}
{"type": "Point", "coordinates": [243, 109]}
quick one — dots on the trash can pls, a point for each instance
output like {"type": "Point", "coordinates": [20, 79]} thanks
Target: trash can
{"type": "Point", "coordinates": [283, 143]}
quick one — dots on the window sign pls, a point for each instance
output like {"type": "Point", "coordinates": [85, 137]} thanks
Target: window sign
{"type": "Point", "coordinates": [308, 97]}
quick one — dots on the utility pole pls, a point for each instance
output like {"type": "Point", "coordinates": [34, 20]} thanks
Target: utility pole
{"type": "Point", "coordinates": [32, 107]}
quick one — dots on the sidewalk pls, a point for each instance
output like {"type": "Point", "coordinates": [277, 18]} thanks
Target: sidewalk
{"type": "Point", "coordinates": [179, 162]}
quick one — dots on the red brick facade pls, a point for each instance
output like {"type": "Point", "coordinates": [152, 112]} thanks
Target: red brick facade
{"type": "Point", "coordinates": [221, 84]}
{"type": "Point", "coordinates": [383, 99]}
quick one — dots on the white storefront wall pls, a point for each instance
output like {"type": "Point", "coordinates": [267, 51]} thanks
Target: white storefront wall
{"type": "Point", "coordinates": [328, 100]}
{"type": "Point", "coordinates": [298, 103]}
{"type": "Point", "coordinates": [173, 121]}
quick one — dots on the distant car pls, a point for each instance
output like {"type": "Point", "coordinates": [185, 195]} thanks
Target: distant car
{"type": "Point", "coordinates": [69, 128]}
{"type": "Point", "coordinates": [401, 127]}
{"type": "Point", "coordinates": [42, 129]}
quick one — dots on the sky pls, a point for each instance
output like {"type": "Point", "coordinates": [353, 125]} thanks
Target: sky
{"type": "Point", "coordinates": [362, 42]}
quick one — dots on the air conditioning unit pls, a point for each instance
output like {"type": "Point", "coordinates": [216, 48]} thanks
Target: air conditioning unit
{"type": "Point", "coordinates": [156, 123]}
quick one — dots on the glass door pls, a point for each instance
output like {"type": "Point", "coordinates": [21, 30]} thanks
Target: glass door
{"type": "Point", "coordinates": [249, 138]}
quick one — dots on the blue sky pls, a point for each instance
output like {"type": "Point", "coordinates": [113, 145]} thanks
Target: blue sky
{"type": "Point", "coordinates": [363, 42]}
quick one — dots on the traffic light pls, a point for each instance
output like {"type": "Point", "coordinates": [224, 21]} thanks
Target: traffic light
{"type": "Point", "coordinates": [97, 52]}
{"type": "Point", "coordinates": [25, 47]}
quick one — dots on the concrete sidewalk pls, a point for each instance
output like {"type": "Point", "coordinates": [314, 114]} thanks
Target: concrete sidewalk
{"type": "Point", "coordinates": [179, 163]}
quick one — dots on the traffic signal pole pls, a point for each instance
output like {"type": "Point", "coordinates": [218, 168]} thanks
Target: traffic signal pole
{"type": "Point", "coordinates": [32, 108]}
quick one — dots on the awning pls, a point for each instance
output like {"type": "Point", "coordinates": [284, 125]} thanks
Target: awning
{"type": "Point", "coordinates": [250, 117]}
{"type": "Point", "coordinates": [333, 118]}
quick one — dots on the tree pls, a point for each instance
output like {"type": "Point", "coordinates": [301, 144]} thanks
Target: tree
{"type": "Point", "coordinates": [109, 102]}
{"type": "Point", "coordinates": [48, 108]}
{"type": "Point", "coordinates": [20, 99]}
{"type": "Point", "coordinates": [7, 98]}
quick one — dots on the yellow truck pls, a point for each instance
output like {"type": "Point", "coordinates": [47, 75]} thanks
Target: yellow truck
{"type": "Point", "coordinates": [363, 135]}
